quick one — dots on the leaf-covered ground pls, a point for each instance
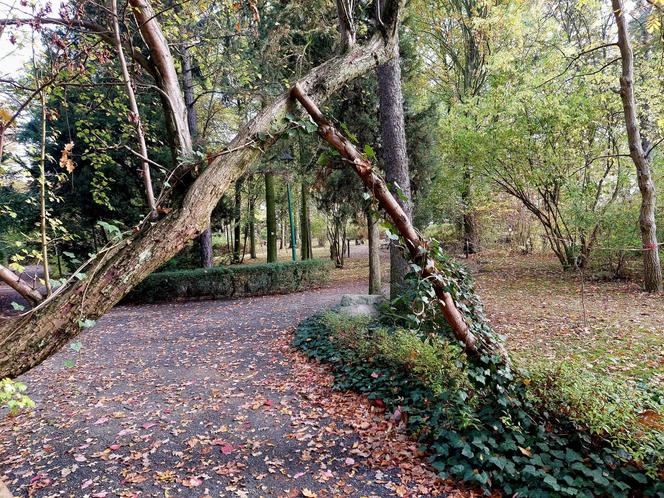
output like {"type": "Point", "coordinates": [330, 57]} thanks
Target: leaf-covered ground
{"type": "Point", "coordinates": [205, 399]}
{"type": "Point", "coordinates": [540, 309]}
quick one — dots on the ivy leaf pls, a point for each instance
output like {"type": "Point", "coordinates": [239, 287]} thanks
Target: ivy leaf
{"type": "Point", "coordinates": [17, 306]}
{"type": "Point", "coordinates": [76, 346]}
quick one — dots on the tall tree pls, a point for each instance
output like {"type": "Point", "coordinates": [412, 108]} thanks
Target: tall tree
{"type": "Point", "coordinates": [394, 148]}
{"type": "Point", "coordinates": [271, 217]}
{"type": "Point", "coordinates": [652, 270]}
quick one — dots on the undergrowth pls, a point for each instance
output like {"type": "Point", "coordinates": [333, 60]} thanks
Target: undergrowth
{"type": "Point", "coordinates": [555, 430]}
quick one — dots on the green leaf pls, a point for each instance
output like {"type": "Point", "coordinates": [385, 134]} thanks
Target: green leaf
{"type": "Point", "coordinates": [86, 324]}
{"type": "Point", "coordinates": [17, 306]}
{"type": "Point", "coordinates": [69, 363]}
{"type": "Point", "coordinates": [369, 152]}
{"type": "Point", "coordinates": [76, 346]}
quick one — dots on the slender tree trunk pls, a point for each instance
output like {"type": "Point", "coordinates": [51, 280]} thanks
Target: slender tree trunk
{"type": "Point", "coordinates": [652, 270]}
{"type": "Point", "coordinates": [252, 229]}
{"type": "Point", "coordinates": [237, 220]}
{"type": "Point", "coordinates": [271, 218]}
{"type": "Point", "coordinates": [134, 116]}
{"type": "Point", "coordinates": [305, 247]}
{"type": "Point", "coordinates": [204, 240]}
{"type": "Point", "coordinates": [42, 197]}
{"type": "Point", "coordinates": [374, 254]}
{"type": "Point", "coordinates": [469, 221]}
{"type": "Point", "coordinates": [394, 155]}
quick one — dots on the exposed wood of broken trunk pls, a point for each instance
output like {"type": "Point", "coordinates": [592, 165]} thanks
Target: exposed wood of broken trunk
{"type": "Point", "coordinates": [417, 246]}
{"type": "Point", "coordinates": [30, 339]}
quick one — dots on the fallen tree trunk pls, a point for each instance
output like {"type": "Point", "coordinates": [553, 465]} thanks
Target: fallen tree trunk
{"type": "Point", "coordinates": [30, 339]}
{"type": "Point", "coordinates": [33, 296]}
{"type": "Point", "coordinates": [417, 246]}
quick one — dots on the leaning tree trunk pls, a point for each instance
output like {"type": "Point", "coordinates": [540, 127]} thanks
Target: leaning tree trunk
{"type": "Point", "coordinates": [652, 270]}
{"type": "Point", "coordinates": [416, 246]}
{"type": "Point", "coordinates": [30, 339]}
{"type": "Point", "coordinates": [395, 158]}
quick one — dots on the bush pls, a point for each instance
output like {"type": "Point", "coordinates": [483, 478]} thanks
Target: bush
{"type": "Point", "coordinates": [231, 282]}
{"type": "Point", "coordinates": [550, 432]}
{"type": "Point", "coordinates": [12, 395]}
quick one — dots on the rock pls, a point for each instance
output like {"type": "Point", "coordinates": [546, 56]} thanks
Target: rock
{"type": "Point", "coordinates": [360, 304]}
{"type": "Point", "coordinates": [354, 299]}
{"type": "Point", "coordinates": [359, 310]}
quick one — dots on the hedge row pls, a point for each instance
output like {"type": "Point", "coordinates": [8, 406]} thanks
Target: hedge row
{"type": "Point", "coordinates": [231, 282]}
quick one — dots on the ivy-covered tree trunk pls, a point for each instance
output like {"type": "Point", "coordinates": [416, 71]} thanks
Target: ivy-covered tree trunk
{"type": "Point", "coordinates": [29, 339]}
{"type": "Point", "coordinates": [271, 218]}
{"type": "Point", "coordinates": [395, 158]}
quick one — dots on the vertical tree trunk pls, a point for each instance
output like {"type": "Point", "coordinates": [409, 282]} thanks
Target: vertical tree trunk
{"type": "Point", "coordinates": [652, 270]}
{"type": "Point", "coordinates": [470, 241]}
{"type": "Point", "coordinates": [305, 247]}
{"type": "Point", "coordinates": [42, 196]}
{"type": "Point", "coordinates": [271, 215]}
{"type": "Point", "coordinates": [394, 155]}
{"type": "Point", "coordinates": [237, 220]}
{"type": "Point", "coordinates": [204, 240]}
{"type": "Point", "coordinates": [252, 228]}
{"type": "Point", "coordinates": [134, 116]}
{"type": "Point", "coordinates": [374, 254]}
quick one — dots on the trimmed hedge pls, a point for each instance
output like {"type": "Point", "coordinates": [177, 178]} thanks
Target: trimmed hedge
{"type": "Point", "coordinates": [224, 282]}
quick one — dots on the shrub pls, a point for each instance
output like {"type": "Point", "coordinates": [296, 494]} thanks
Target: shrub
{"type": "Point", "coordinates": [534, 435]}
{"type": "Point", "coordinates": [627, 416]}
{"type": "Point", "coordinates": [12, 395]}
{"type": "Point", "coordinates": [230, 282]}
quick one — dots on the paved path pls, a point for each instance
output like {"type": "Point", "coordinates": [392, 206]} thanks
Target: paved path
{"type": "Point", "coordinates": [204, 399]}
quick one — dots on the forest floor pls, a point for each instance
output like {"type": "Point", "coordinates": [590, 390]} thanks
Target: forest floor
{"type": "Point", "coordinates": [540, 309]}
{"type": "Point", "coordinates": [205, 399]}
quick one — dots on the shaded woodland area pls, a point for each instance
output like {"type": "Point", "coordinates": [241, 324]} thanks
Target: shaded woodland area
{"type": "Point", "coordinates": [423, 152]}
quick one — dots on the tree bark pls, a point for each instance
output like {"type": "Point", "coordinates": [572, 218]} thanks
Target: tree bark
{"type": "Point", "coordinates": [42, 197]}
{"type": "Point", "coordinates": [395, 158]}
{"type": "Point", "coordinates": [134, 116]}
{"type": "Point", "coordinates": [237, 220]}
{"type": "Point", "coordinates": [161, 57]}
{"type": "Point", "coordinates": [252, 229]}
{"type": "Point", "coordinates": [271, 218]}
{"type": "Point", "coordinates": [652, 270]}
{"type": "Point", "coordinates": [31, 338]}
{"type": "Point", "coordinates": [204, 240]}
{"type": "Point", "coordinates": [415, 244]}
{"type": "Point", "coordinates": [305, 235]}
{"type": "Point", "coordinates": [375, 283]}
